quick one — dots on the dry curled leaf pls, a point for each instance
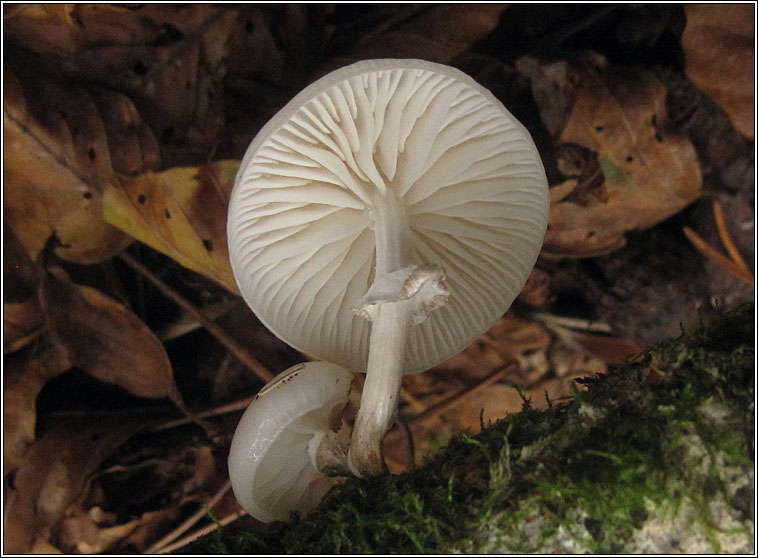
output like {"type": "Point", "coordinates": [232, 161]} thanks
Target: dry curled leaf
{"type": "Point", "coordinates": [719, 47]}
{"type": "Point", "coordinates": [54, 472]}
{"type": "Point", "coordinates": [180, 212]}
{"type": "Point", "coordinates": [91, 531]}
{"type": "Point", "coordinates": [23, 379]}
{"type": "Point", "coordinates": [648, 172]}
{"type": "Point", "coordinates": [104, 338]}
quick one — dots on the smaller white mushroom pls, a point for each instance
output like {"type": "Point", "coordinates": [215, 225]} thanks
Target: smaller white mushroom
{"type": "Point", "coordinates": [286, 445]}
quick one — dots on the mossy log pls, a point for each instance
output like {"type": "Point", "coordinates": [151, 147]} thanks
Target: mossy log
{"type": "Point", "coordinates": [653, 457]}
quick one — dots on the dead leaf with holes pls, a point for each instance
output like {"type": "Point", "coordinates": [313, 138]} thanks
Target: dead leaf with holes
{"type": "Point", "coordinates": [55, 163]}
{"type": "Point", "coordinates": [719, 48]}
{"type": "Point", "coordinates": [170, 60]}
{"type": "Point", "coordinates": [55, 471]}
{"type": "Point", "coordinates": [180, 212]}
{"type": "Point", "coordinates": [272, 54]}
{"type": "Point", "coordinates": [103, 337]}
{"type": "Point", "coordinates": [617, 116]}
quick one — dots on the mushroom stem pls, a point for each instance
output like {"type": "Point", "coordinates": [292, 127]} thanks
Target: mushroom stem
{"type": "Point", "coordinates": [400, 294]}
{"type": "Point", "coordinates": [380, 391]}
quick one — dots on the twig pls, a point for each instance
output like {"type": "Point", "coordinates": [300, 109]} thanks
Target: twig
{"type": "Point", "coordinates": [233, 407]}
{"type": "Point", "coordinates": [190, 521]}
{"type": "Point", "coordinates": [200, 532]}
{"type": "Point", "coordinates": [726, 239]}
{"type": "Point", "coordinates": [719, 259]}
{"type": "Point", "coordinates": [556, 39]}
{"type": "Point", "coordinates": [446, 404]}
{"type": "Point", "coordinates": [568, 322]}
{"type": "Point", "coordinates": [439, 408]}
{"type": "Point", "coordinates": [222, 336]}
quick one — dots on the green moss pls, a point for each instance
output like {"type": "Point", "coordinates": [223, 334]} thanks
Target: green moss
{"type": "Point", "coordinates": [652, 457]}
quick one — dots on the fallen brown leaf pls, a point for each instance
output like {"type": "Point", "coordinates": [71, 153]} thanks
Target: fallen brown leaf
{"type": "Point", "coordinates": [133, 147]}
{"type": "Point", "coordinates": [537, 288]}
{"type": "Point", "coordinates": [54, 169]}
{"type": "Point", "coordinates": [431, 32]}
{"type": "Point", "coordinates": [619, 114]}
{"type": "Point", "coordinates": [104, 338]}
{"type": "Point", "coordinates": [169, 59]}
{"type": "Point", "coordinates": [719, 47]}
{"type": "Point", "coordinates": [24, 377]}
{"type": "Point", "coordinates": [484, 406]}
{"type": "Point", "coordinates": [22, 323]}
{"type": "Point", "coordinates": [54, 472]}
{"type": "Point", "coordinates": [20, 273]}
{"type": "Point", "coordinates": [437, 33]}
{"type": "Point", "coordinates": [510, 339]}
{"type": "Point", "coordinates": [42, 13]}
{"type": "Point", "coordinates": [265, 71]}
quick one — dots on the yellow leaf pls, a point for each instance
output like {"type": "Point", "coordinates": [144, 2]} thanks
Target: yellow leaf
{"type": "Point", "coordinates": [180, 212]}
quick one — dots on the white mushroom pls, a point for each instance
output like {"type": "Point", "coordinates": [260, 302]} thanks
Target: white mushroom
{"type": "Point", "coordinates": [286, 445]}
{"type": "Point", "coordinates": [384, 219]}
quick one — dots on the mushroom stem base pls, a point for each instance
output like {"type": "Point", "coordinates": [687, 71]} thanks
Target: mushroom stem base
{"type": "Point", "coordinates": [331, 455]}
{"type": "Point", "coordinates": [380, 392]}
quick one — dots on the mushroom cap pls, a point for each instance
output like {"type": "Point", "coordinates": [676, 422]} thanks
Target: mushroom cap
{"type": "Point", "coordinates": [270, 460]}
{"type": "Point", "coordinates": [464, 170]}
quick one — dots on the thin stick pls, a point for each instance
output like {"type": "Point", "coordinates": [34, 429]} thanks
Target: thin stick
{"type": "Point", "coordinates": [190, 521]}
{"type": "Point", "coordinates": [200, 532]}
{"type": "Point", "coordinates": [222, 336]}
{"type": "Point", "coordinates": [573, 323]}
{"type": "Point", "coordinates": [439, 408]}
{"type": "Point", "coordinates": [719, 259]}
{"type": "Point", "coordinates": [726, 239]}
{"type": "Point", "coordinates": [412, 401]}
{"type": "Point", "coordinates": [233, 407]}
{"type": "Point", "coordinates": [448, 403]}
